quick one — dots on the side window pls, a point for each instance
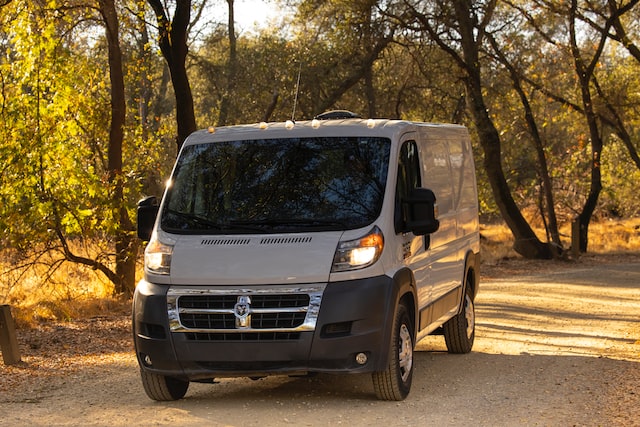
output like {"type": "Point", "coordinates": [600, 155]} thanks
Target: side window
{"type": "Point", "coordinates": [463, 176]}
{"type": "Point", "coordinates": [437, 174]}
{"type": "Point", "coordinates": [408, 179]}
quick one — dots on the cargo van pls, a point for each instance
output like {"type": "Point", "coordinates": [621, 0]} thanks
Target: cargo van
{"type": "Point", "coordinates": [330, 245]}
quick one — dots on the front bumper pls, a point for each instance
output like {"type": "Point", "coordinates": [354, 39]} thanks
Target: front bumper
{"type": "Point", "coordinates": [200, 343]}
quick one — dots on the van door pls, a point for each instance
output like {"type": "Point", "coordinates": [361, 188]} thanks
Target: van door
{"type": "Point", "coordinates": [443, 254]}
{"type": "Point", "coordinates": [413, 247]}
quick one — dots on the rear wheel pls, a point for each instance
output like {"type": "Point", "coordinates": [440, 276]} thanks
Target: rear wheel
{"type": "Point", "coordinates": [163, 388]}
{"type": "Point", "coordinates": [394, 383]}
{"type": "Point", "coordinates": [460, 330]}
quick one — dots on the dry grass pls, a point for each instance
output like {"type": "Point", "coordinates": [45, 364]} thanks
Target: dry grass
{"type": "Point", "coordinates": [45, 289]}
{"type": "Point", "coordinates": [77, 292]}
{"type": "Point", "coordinates": [611, 237]}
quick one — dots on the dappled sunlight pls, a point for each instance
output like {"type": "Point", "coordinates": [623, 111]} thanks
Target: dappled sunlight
{"type": "Point", "coordinates": [574, 316]}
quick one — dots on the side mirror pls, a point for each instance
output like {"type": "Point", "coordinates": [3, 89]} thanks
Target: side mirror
{"type": "Point", "coordinates": [147, 213]}
{"type": "Point", "coordinates": [421, 212]}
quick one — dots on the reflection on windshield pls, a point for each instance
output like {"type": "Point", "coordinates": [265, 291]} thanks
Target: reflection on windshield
{"type": "Point", "coordinates": [283, 185]}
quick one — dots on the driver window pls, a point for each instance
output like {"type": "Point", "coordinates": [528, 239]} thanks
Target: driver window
{"type": "Point", "coordinates": [408, 179]}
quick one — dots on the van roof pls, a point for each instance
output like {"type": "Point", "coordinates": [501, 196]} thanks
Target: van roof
{"type": "Point", "coordinates": [318, 127]}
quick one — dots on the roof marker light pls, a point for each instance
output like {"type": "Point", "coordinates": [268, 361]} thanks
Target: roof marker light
{"type": "Point", "coordinates": [315, 123]}
{"type": "Point", "coordinates": [211, 129]}
{"type": "Point", "coordinates": [289, 124]}
{"type": "Point", "coordinates": [371, 123]}
{"type": "Point", "coordinates": [263, 125]}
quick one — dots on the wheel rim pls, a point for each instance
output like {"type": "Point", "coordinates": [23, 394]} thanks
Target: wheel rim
{"type": "Point", "coordinates": [405, 352]}
{"type": "Point", "coordinates": [470, 316]}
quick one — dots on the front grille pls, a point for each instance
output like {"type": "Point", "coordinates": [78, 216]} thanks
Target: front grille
{"type": "Point", "coordinates": [229, 301]}
{"type": "Point", "coordinates": [228, 321]}
{"type": "Point", "coordinates": [253, 314]}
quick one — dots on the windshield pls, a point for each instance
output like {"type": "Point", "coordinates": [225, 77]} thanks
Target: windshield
{"type": "Point", "coordinates": [277, 185]}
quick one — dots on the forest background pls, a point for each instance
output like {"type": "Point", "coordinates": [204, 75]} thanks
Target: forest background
{"type": "Point", "coordinates": [96, 97]}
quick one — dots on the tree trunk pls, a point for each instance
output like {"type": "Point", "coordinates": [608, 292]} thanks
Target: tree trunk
{"type": "Point", "coordinates": [621, 34]}
{"type": "Point", "coordinates": [173, 45]}
{"type": "Point", "coordinates": [584, 74]}
{"type": "Point", "coordinates": [369, 87]}
{"type": "Point", "coordinates": [526, 243]}
{"type": "Point", "coordinates": [126, 247]}
{"type": "Point", "coordinates": [232, 66]}
{"type": "Point", "coordinates": [543, 169]}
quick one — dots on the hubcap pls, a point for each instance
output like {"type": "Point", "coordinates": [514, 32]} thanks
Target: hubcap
{"type": "Point", "coordinates": [405, 352]}
{"type": "Point", "coordinates": [469, 315]}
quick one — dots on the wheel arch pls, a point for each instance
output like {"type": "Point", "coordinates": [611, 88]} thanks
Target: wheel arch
{"type": "Point", "coordinates": [405, 291]}
{"type": "Point", "coordinates": [471, 274]}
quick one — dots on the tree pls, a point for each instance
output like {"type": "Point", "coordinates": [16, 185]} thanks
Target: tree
{"type": "Point", "coordinates": [231, 68]}
{"type": "Point", "coordinates": [459, 29]}
{"type": "Point", "coordinates": [126, 243]}
{"type": "Point", "coordinates": [357, 35]}
{"type": "Point", "coordinates": [65, 193]}
{"type": "Point", "coordinates": [172, 38]}
{"type": "Point", "coordinates": [614, 20]}
{"type": "Point", "coordinates": [586, 49]}
{"type": "Point", "coordinates": [585, 71]}
{"type": "Point", "coordinates": [612, 16]}
{"type": "Point", "coordinates": [529, 116]}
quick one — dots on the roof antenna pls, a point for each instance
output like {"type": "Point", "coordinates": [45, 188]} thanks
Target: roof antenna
{"type": "Point", "coordinates": [295, 99]}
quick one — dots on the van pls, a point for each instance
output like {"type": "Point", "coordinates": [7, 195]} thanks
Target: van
{"type": "Point", "coordinates": [330, 245]}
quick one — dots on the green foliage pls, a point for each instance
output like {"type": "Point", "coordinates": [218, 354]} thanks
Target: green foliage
{"type": "Point", "coordinates": [43, 158]}
{"type": "Point", "coordinates": [621, 182]}
{"type": "Point", "coordinates": [54, 139]}
{"type": "Point", "coordinates": [267, 67]}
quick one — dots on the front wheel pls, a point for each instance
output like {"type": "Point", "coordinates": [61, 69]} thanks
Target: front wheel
{"type": "Point", "coordinates": [163, 388]}
{"type": "Point", "coordinates": [460, 330]}
{"type": "Point", "coordinates": [394, 383]}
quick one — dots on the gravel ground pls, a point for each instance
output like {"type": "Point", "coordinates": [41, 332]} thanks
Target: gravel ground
{"type": "Point", "coordinates": [557, 344]}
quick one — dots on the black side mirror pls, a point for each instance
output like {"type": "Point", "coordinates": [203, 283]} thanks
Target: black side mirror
{"type": "Point", "coordinates": [147, 213]}
{"type": "Point", "coordinates": [421, 212]}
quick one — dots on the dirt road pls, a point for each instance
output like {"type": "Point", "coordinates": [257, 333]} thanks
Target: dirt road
{"type": "Point", "coordinates": [557, 345]}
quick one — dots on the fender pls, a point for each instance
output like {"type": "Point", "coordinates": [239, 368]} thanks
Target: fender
{"type": "Point", "coordinates": [403, 287]}
{"type": "Point", "coordinates": [471, 268]}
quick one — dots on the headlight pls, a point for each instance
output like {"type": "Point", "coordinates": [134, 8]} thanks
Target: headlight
{"type": "Point", "coordinates": [157, 256]}
{"type": "Point", "coordinates": [358, 253]}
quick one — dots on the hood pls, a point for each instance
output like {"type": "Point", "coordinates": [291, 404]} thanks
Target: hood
{"type": "Point", "coordinates": [253, 259]}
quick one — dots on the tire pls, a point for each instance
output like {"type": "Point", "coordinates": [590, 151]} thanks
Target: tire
{"type": "Point", "coordinates": [460, 330]}
{"type": "Point", "coordinates": [394, 383]}
{"type": "Point", "coordinates": [163, 388]}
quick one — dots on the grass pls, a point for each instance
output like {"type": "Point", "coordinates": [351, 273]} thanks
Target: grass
{"type": "Point", "coordinates": [38, 292]}
{"type": "Point", "coordinates": [73, 291]}
{"type": "Point", "coordinates": [613, 236]}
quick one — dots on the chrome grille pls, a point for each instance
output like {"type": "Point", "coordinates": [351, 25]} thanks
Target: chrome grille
{"type": "Point", "coordinates": [228, 321]}
{"type": "Point", "coordinates": [252, 314]}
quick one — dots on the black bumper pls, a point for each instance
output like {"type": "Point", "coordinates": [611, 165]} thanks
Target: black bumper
{"type": "Point", "coordinates": [354, 318]}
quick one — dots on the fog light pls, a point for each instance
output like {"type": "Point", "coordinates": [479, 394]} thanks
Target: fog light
{"type": "Point", "coordinates": [361, 358]}
{"type": "Point", "coordinates": [147, 360]}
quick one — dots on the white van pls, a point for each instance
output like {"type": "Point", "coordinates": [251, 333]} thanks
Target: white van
{"type": "Point", "coordinates": [314, 246]}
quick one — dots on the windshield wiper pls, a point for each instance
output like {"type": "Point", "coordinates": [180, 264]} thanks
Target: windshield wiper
{"type": "Point", "coordinates": [275, 222]}
{"type": "Point", "coordinates": [257, 225]}
{"type": "Point", "coordinates": [198, 220]}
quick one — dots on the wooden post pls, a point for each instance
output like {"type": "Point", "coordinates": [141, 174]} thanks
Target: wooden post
{"type": "Point", "coordinates": [575, 238]}
{"type": "Point", "coordinates": [8, 340]}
